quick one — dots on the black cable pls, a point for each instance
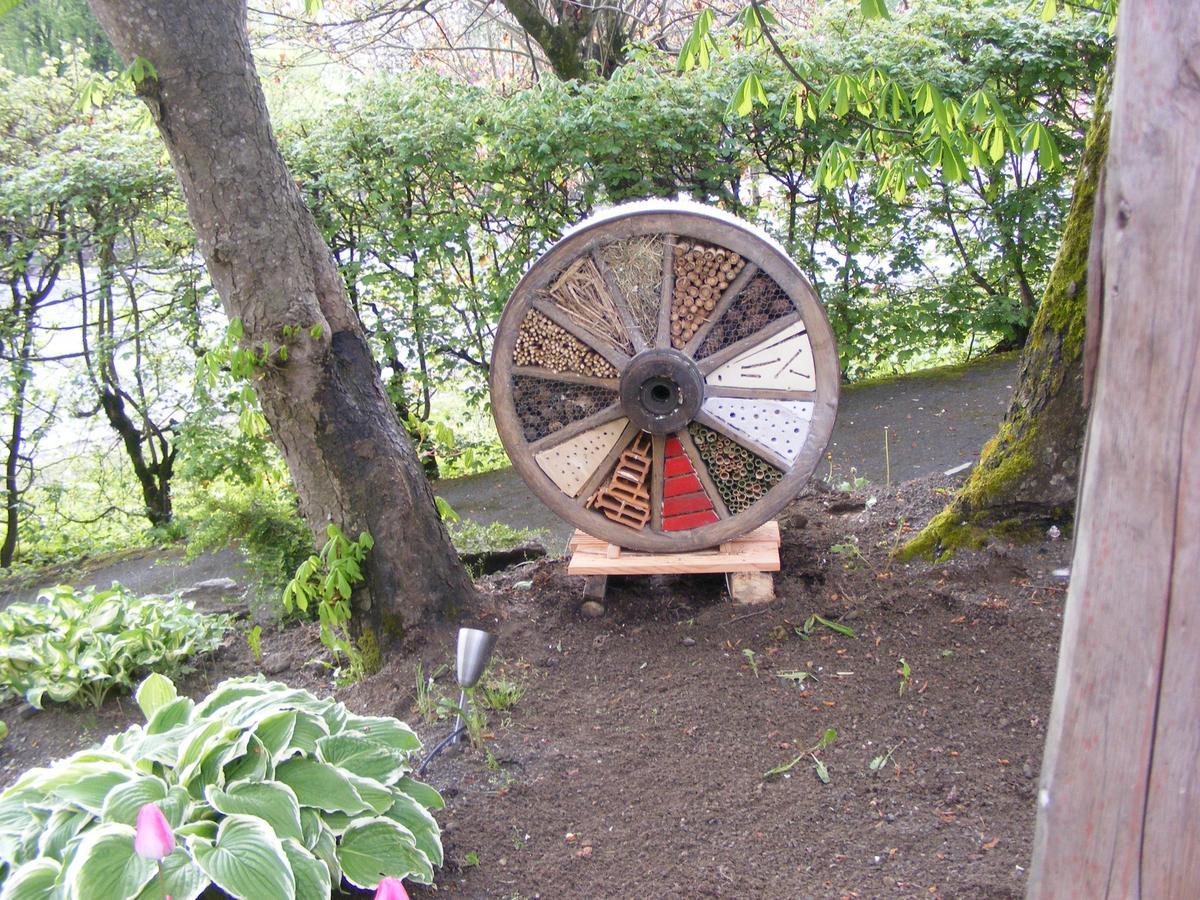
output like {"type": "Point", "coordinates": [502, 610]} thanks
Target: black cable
{"type": "Point", "coordinates": [445, 742]}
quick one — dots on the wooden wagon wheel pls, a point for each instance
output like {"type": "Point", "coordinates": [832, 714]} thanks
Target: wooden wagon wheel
{"type": "Point", "coordinates": [664, 377]}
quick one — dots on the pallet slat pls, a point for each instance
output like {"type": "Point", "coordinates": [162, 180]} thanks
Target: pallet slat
{"type": "Point", "coordinates": [757, 551]}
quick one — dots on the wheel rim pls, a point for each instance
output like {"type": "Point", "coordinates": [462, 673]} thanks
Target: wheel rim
{"type": "Point", "coordinates": [664, 377]}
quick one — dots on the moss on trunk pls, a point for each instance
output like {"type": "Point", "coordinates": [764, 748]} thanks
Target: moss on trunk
{"type": "Point", "coordinates": [1028, 472]}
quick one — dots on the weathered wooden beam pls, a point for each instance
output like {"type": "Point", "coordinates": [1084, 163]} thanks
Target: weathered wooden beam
{"type": "Point", "coordinates": [1119, 804]}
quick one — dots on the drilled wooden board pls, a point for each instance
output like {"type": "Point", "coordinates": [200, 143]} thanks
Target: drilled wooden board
{"type": "Point", "coordinates": [757, 551]}
{"type": "Point", "coordinates": [778, 426]}
{"type": "Point", "coordinates": [783, 362]}
{"type": "Point", "coordinates": [570, 463]}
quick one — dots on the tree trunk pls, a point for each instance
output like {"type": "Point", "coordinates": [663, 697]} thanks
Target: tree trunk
{"type": "Point", "coordinates": [349, 458]}
{"type": "Point", "coordinates": [1026, 476]}
{"type": "Point", "coordinates": [1120, 781]}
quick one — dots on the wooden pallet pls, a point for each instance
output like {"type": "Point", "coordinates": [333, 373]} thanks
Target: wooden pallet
{"type": "Point", "coordinates": [745, 561]}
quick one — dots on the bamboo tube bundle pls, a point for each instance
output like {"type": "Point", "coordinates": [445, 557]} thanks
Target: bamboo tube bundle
{"type": "Point", "coordinates": [544, 344]}
{"type": "Point", "coordinates": [742, 479]}
{"type": "Point", "coordinates": [581, 293]}
{"type": "Point", "coordinates": [702, 274]}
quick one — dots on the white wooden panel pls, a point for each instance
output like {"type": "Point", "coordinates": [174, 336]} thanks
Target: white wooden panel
{"type": "Point", "coordinates": [782, 362]}
{"type": "Point", "coordinates": [778, 425]}
{"type": "Point", "coordinates": [572, 462]}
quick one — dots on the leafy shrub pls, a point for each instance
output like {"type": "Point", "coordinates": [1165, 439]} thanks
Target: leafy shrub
{"type": "Point", "coordinates": [81, 645]}
{"type": "Point", "coordinates": [269, 791]}
{"type": "Point", "coordinates": [262, 519]}
{"type": "Point", "coordinates": [327, 580]}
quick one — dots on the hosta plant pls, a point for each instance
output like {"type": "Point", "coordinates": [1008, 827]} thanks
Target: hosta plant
{"type": "Point", "coordinates": [81, 645]}
{"type": "Point", "coordinates": [269, 792]}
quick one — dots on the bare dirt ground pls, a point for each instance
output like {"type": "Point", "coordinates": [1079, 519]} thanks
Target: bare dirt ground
{"type": "Point", "coordinates": [634, 762]}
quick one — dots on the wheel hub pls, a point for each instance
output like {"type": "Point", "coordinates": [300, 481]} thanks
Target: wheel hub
{"type": "Point", "coordinates": [661, 390]}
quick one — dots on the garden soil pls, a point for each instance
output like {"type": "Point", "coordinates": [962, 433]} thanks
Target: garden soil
{"type": "Point", "coordinates": [634, 764]}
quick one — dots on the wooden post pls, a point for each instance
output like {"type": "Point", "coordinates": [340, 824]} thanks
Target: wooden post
{"type": "Point", "coordinates": [1119, 805]}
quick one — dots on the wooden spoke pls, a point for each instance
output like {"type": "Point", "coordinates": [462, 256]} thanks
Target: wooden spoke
{"type": "Point", "coordinates": [618, 298]}
{"type": "Point", "coordinates": [722, 356]}
{"type": "Point", "coordinates": [569, 377]}
{"type": "Point", "coordinates": [657, 462]}
{"type": "Point", "coordinates": [731, 293]}
{"type": "Point", "coordinates": [663, 338]}
{"type": "Point", "coordinates": [710, 486]}
{"type": "Point", "coordinates": [600, 475]}
{"type": "Point", "coordinates": [749, 443]}
{"type": "Point", "coordinates": [610, 413]}
{"type": "Point", "coordinates": [716, 390]}
{"type": "Point", "coordinates": [563, 320]}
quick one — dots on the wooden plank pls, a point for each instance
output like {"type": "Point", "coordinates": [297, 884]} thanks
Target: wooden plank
{"type": "Point", "coordinates": [657, 480]}
{"type": "Point", "coordinates": [570, 377]}
{"type": "Point", "coordinates": [1120, 785]}
{"type": "Point", "coordinates": [755, 552]}
{"type": "Point", "coordinates": [714, 361]}
{"type": "Point", "coordinates": [663, 338]}
{"type": "Point", "coordinates": [749, 270]}
{"type": "Point", "coordinates": [751, 588]}
{"type": "Point", "coordinates": [562, 318]}
{"type": "Point", "coordinates": [610, 413]}
{"type": "Point", "coordinates": [618, 299]}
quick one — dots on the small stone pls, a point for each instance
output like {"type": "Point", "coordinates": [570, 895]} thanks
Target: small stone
{"type": "Point", "coordinates": [592, 609]}
{"type": "Point", "coordinates": [276, 663]}
{"type": "Point", "coordinates": [522, 585]}
{"type": "Point", "coordinates": [688, 642]}
{"type": "Point", "coordinates": [583, 852]}
{"type": "Point", "coordinates": [213, 585]}
{"type": "Point", "coordinates": [1027, 770]}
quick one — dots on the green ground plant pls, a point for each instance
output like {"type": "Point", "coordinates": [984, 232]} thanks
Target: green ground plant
{"type": "Point", "coordinates": [80, 646]}
{"type": "Point", "coordinates": [326, 580]}
{"type": "Point", "coordinates": [268, 791]}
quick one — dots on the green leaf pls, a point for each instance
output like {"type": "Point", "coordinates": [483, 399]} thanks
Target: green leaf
{"type": "Point", "coordinates": [834, 626]}
{"type": "Point", "coordinates": [355, 755]}
{"type": "Point", "coordinates": [822, 771]}
{"type": "Point", "coordinates": [417, 819]}
{"type": "Point", "coordinates": [105, 866]}
{"type": "Point", "coordinates": [273, 802]}
{"type": "Point", "coordinates": [320, 786]}
{"type": "Point", "coordinates": [785, 767]}
{"type": "Point", "coordinates": [182, 879]}
{"type": "Point", "coordinates": [60, 829]}
{"type": "Point", "coordinates": [312, 876]}
{"type": "Point", "coordinates": [155, 692]}
{"type": "Point", "coordinates": [422, 793]}
{"type": "Point", "coordinates": [246, 860]}
{"type": "Point", "coordinates": [89, 791]}
{"type": "Point", "coordinates": [124, 801]}
{"type": "Point", "coordinates": [373, 848]}
{"type": "Point", "coordinates": [875, 9]}
{"type": "Point", "coordinates": [33, 881]}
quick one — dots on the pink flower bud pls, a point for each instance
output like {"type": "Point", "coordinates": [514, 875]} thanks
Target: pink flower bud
{"type": "Point", "coordinates": [153, 838]}
{"type": "Point", "coordinates": [391, 889]}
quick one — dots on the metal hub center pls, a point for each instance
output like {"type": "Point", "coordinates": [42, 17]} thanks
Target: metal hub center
{"type": "Point", "coordinates": [661, 390]}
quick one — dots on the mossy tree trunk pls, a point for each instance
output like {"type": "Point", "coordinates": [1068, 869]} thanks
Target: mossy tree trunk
{"type": "Point", "coordinates": [1028, 473]}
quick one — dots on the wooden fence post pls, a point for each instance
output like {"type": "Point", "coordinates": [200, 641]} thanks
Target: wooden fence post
{"type": "Point", "coordinates": [1119, 801]}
